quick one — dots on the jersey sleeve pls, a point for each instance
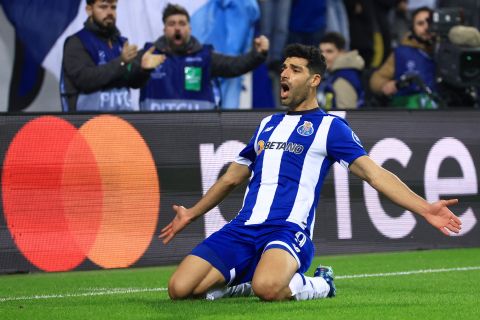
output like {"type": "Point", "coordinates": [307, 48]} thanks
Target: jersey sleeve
{"type": "Point", "coordinates": [343, 145]}
{"type": "Point", "coordinates": [248, 155]}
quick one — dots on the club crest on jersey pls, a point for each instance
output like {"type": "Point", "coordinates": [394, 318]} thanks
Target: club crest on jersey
{"type": "Point", "coordinates": [306, 129]}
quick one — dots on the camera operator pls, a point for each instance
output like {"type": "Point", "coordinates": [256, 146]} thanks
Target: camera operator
{"type": "Point", "coordinates": [408, 74]}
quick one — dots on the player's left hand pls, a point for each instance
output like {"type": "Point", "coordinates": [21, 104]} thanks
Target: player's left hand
{"type": "Point", "coordinates": [262, 44]}
{"type": "Point", "coordinates": [151, 60]}
{"type": "Point", "coordinates": [440, 216]}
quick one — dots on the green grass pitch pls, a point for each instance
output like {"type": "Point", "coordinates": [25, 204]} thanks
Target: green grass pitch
{"type": "Point", "coordinates": [434, 284]}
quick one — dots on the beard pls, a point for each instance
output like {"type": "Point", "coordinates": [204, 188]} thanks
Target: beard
{"type": "Point", "coordinates": [294, 103]}
{"type": "Point", "coordinates": [107, 24]}
{"type": "Point", "coordinates": [427, 40]}
{"type": "Point", "coordinates": [295, 98]}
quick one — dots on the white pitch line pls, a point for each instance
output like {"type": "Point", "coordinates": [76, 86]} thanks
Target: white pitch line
{"type": "Point", "coordinates": [405, 273]}
{"type": "Point", "coordinates": [100, 292]}
{"type": "Point", "coordinates": [85, 294]}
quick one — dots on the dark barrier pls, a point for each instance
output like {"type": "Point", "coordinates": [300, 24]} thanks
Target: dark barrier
{"type": "Point", "coordinates": [93, 191]}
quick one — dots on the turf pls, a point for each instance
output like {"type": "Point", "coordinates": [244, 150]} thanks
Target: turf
{"type": "Point", "coordinates": [140, 293]}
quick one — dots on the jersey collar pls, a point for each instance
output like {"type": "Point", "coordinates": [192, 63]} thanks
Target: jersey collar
{"type": "Point", "coordinates": [293, 113]}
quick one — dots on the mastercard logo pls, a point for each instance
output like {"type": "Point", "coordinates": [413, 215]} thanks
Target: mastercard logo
{"type": "Point", "coordinates": [74, 194]}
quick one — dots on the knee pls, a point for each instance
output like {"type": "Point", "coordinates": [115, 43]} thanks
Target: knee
{"type": "Point", "coordinates": [269, 290]}
{"type": "Point", "coordinates": [178, 289]}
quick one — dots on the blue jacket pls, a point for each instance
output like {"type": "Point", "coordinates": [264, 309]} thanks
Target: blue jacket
{"type": "Point", "coordinates": [414, 61]}
{"type": "Point", "coordinates": [168, 88]}
{"type": "Point", "coordinates": [351, 75]}
{"type": "Point", "coordinates": [93, 77]}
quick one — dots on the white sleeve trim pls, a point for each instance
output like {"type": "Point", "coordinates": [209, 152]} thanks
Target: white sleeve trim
{"type": "Point", "coordinates": [243, 161]}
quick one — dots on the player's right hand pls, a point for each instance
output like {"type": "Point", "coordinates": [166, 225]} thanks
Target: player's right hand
{"type": "Point", "coordinates": [129, 52]}
{"type": "Point", "coordinates": [180, 221]}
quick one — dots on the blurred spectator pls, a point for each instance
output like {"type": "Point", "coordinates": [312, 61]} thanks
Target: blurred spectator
{"type": "Point", "coordinates": [399, 22]}
{"type": "Point", "coordinates": [343, 89]}
{"type": "Point", "coordinates": [383, 40]}
{"type": "Point", "coordinates": [408, 75]}
{"type": "Point", "coordinates": [361, 20]}
{"type": "Point", "coordinates": [307, 21]}
{"type": "Point", "coordinates": [370, 29]}
{"type": "Point", "coordinates": [274, 21]}
{"type": "Point", "coordinates": [184, 80]}
{"type": "Point", "coordinates": [337, 20]}
{"type": "Point", "coordinates": [414, 5]}
{"type": "Point", "coordinates": [229, 26]}
{"type": "Point", "coordinates": [99, 65]}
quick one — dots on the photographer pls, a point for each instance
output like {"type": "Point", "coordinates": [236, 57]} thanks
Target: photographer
{"type": "Point", "coordinates": [408, 75]}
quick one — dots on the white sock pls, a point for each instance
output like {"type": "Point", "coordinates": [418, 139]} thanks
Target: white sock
{"type": "Point", "coordinates": [307, 288]}
{"type": "Point", "coordinates": [241, 290]}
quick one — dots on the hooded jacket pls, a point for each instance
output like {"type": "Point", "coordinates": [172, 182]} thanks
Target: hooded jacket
{"type": "Point", "coordinates": [344, 81]}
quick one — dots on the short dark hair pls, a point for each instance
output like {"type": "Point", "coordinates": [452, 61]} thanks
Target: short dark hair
{"type": "Point", "coordinates": [316, 61]}
{"type": "Point", "coordinates": [90, 2]}
{"type": "Point", "coordinates": [334, 37]}
{"type": "Point", "coordinates": [417, 11]}
{"type": "Point", "coordinates": [172, 9]}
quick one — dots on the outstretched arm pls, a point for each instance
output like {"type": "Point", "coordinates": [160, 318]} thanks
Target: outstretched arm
{"type": "Point", "coordinates": [235, 175]}
{"type": "Point", "coordinates": [382, 180]}
{"type": "Point", "coordinates": [234, 66]}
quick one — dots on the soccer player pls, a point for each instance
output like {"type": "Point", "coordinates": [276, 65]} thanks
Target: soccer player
{"type": "Point", "coordinates": [267, 247]}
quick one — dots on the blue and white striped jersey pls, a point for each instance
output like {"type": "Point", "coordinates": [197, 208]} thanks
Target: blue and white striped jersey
{"type": "Point", "coordinates": [290, 155]}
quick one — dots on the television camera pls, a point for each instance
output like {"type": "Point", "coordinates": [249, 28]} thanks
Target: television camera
{"type": "Point", "coordinates": [457, 65]}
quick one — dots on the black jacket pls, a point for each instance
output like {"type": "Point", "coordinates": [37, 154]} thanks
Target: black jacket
{"type": "Point", "coordinates": [81, 74]}
{"type": "Point", "coordinates": [222, 65]}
